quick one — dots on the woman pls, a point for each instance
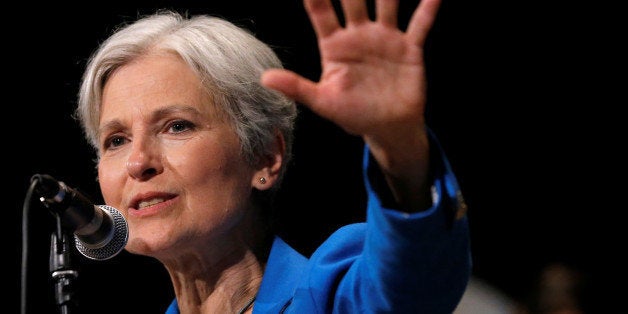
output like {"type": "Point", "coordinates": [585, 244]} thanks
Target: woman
{"type": "Point", "coordinates": [192, 121]}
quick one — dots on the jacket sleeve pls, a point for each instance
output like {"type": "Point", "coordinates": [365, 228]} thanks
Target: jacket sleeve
{"type": "Point", "coordinates": [395, 262]}
{"type": "Point", "coordinates": [410, 263]}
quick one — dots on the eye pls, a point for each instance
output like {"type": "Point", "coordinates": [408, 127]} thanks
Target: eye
{"type": "Point", "coordinates": [180, 126]}
{"type": "Point", "coordinates": [114, 141]}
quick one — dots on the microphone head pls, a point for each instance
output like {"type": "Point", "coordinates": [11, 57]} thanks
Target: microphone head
{"type": "Point", "coordinates": [114, 245]}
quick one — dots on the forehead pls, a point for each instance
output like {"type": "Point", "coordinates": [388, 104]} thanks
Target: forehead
{"type": "Point", "coordinates": [151, 81]}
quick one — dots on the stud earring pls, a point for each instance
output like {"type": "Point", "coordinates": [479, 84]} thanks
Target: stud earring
{"type": "Point", "coordinates": [262, 180]}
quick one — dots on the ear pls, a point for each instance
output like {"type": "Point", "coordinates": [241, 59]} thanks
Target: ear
{"type": "Point", "coordinates": [269, 165]}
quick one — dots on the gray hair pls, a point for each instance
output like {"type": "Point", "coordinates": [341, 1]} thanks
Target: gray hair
{"type": "Point", "coordinates": [229, 61]}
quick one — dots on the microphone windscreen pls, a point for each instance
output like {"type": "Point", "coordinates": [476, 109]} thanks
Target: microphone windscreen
{"type": "Point", "coordinates": [113, 244]}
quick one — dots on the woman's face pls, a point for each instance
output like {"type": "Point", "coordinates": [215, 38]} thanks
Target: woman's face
{"type": "Point", "coordinates": [169, 162]}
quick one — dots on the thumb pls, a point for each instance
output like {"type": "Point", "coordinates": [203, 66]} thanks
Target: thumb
{"type": "Point", "coordinates": [293, 85]}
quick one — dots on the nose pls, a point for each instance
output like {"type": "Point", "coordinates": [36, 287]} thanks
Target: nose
{"type": "Point", "coordinates": [144, 161]}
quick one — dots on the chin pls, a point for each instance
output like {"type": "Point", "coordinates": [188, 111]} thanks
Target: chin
{"type": "Point", "coordinates": [151, 248]}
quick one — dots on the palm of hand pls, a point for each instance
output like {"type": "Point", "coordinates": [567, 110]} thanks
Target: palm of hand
{"type": "Point", "coordinates": [371, 76]}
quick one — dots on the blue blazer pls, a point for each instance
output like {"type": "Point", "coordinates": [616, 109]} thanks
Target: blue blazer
{"type": "Point", "coordinates": [394, 262]}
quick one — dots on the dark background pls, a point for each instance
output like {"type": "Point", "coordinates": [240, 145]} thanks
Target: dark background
{"type": "Point", "coordinates": [521, 98]}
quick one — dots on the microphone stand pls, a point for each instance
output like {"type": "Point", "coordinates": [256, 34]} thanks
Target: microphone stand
{"type": "Point", "coordinates": [60, 269]}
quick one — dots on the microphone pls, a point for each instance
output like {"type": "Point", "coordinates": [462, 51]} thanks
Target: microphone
{"type": "Point", "coordinates": [100, 231]}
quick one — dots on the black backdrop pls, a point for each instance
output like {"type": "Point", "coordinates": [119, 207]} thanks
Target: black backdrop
{"type": "Point", "coordinates": [518, 98]}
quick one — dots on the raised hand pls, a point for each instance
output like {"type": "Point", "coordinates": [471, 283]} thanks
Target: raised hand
{"type": "Point", "coordinates": [373, 80]}
{"type": "Point", "coordinates": [368, 67]}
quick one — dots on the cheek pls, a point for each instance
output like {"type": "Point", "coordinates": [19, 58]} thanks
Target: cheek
{"type": "Point", "coordinates": [203, 157]}
{"type": "Point", "coordinates": [218, 169]}
{"type": "Point", "coordinates": [109, 176]}
{"type": "Point", "coordinates": [185, 160]}
{"type": "Point", "coordinates": [197, 166]}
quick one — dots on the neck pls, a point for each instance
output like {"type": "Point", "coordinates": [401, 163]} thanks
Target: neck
{"type": "Point", "coordinates": [247, 306]}
{"type": "Point", "coordinates": [227, 289]}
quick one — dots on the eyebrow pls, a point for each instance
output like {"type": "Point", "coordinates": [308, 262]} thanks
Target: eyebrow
{"type": "Point", "coordinates": [155, 115]}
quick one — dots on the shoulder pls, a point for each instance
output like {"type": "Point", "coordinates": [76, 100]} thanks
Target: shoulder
{"type": "Point", "coordinates": [341, 248]}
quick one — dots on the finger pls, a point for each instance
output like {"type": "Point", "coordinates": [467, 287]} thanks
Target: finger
{"type": "Point", "coordinates": [386, 12]}
{"type": "Point", "coordinates": [355, 11]}
{"type": "Point", "coordinates": [322, 16]}
{"type": "Point", "coordinates": [290, 84]}
{"type": "Point", "coordinates": [422, 20]}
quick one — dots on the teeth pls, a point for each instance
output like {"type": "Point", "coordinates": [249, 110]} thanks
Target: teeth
{"type": "Point", "coordinates": [150, 202]}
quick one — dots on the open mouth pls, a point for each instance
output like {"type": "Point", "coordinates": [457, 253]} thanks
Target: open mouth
{"type": "Point", "coordinates": [151, 202]}
{"type": "Point", "coordinates": [151, 199]}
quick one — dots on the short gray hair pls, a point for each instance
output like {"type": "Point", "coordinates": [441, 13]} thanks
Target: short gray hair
{"type": "Point", "coordinates": [229, 61]}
